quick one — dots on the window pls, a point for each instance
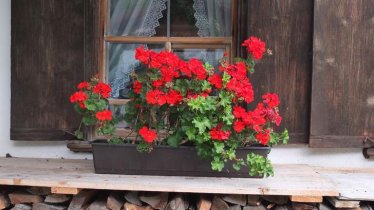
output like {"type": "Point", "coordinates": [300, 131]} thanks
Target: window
{"type": "Point", "coordinates": [200, 29]}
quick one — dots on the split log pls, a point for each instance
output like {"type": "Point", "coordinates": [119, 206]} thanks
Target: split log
{"type": "Point", "coordinates": [303, 206]}
{"type": "Point", "coordinates": [281, 208]}
{"type": "Point", "coordinates": [4, 201]}
{"type": "Point", "coordinates": [236, 199]}
{"type": "Point", "coordinates": [260, 207]}
{"type": "Point", "coordinates": [23, 197]}
{"type": "Point", "coordinates": [44, 206]}
{"type": "Point", "coordinates": [115, 201]}
{"type": "Point", "coordinates": [204, 203]}
{"type": "Point", "coordinates": [133, 197]}
{"type": "Point", "coordinates": [253, 200]}
{"type": "Point", "coordinates": [80, 200]}
{"type": "Point", "coordinates": [179, 202]}
{"type": "Point", "coordinates": [57, 199]}
{"type": "Point", "coordinates": [219, 204]}
{"type": "Point", "coordinates": [235, 207]}
{"type": "Point", "coordinates": [156, 200]}
{"type": "Point", "coordinates": [323, 206]}
{"type": "Point", "coordinates": [130, 206]}
{"type": "Point", "coordinates": [99, 204]}
{"type": "Point", "coordinates": [21, 206]}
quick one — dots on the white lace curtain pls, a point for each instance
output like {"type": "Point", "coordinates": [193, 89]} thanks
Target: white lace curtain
{"type": "Point", "coordinates": [141, 17]}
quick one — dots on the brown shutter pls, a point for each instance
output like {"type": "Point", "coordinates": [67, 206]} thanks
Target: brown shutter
{"type": "Point", "coordinates": [48, 60]}
{"type": "Point", "coordinates": [287, 28]}
{"type": "Point", "coordinates": [342, 112]}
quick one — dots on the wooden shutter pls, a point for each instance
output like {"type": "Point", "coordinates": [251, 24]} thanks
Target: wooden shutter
{"type": "Point", "coordinates": [287, 28]}
{"type": "Point", "coordinates": [48, 59]}
{"type": "Point", "coordinates": [342, 112]}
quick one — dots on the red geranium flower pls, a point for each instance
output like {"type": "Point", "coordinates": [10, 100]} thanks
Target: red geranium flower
{"type": "Point", "coordinates": [263, 137]}
{"type": "Point", "coordinates": [83, 85]}
{"type": "Point", "coordinates": [271, 99]}
{"type": "Point", "coordinates": [239, 126]}
{"type": "Point", "coordinates": [154, 97]}
{"type": "Point", "coordinates": [255, 46]}
{"type": "Point", "coordinates": [216, 80]}
{"type": "Point", "coordinates": [218, 134]}
{"type": "Point", "coordinates": [137, 87]}
{"type": "Point", "coordinates": [105, 115]}
{"type": "Point", "coordinates": [78, 96]}
{"type": "Point", "coordinates": [157, 83]}
{"type": "Point", "coordinates": [147, 134]}
{"type": "Point", "coordinates": [197, 69]}
{"type": "Point", "coordinates": [102, 89]}
{"type": "Point", "coordinates": [174, 97]}
{"type": "Point", "coordinates": [142, 55]}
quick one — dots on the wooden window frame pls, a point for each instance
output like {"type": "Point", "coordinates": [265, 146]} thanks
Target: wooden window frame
{"type": "Point", "coordinates": [227, 43]}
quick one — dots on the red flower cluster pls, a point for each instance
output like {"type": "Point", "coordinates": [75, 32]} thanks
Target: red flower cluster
{"type": "Point", "coordinates": [147, 134]}
{"type": "Point", "coordinates": [271, 99]}
{"type": "Point", "coordinates": [102, 89]}
{"type": "Point", "coordinates": [105, 115]}
{"type": "Point", "coordinates": [160, 98]}
{"type": "Point", "coordinates": [83, 86]}
{"type": "Point", "coordinates": [137, 87]}
{"type": "Point", "coordinates": [255, 46]}
{"type": "Point", "coordinates": [170, 65]}
{"type": "Point", "coordinates": [78, 96]}
{"type": "Point", "coordinates": [218, 134]}
{"type": "Point", "coordinates": [239, 82]}
{"type": "Point", "coordinates": [263, 137]}
{"type": "Point", "coordinates": [216, 80]}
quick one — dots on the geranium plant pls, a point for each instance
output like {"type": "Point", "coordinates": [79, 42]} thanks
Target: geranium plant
{"type": "Point", "coordinates": [179, 102]}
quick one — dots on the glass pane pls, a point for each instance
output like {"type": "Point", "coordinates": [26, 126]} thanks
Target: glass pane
{"type": "Point", "coordinates": [137, 17]}
{"type": "Point", "coordinates": [118, 113]}
{"type": "Point", "coordinates": [121, 63]}
{"type": "Point", "coordinates": [182, 19]}
{"type": "Point", "coordinates": [212, 56]}
{"type": "Point", "coordinates": [212, 17]}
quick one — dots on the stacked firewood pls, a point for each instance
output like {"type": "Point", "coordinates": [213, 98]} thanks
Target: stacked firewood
{"type": "Point", "coordinates": [37, 198]}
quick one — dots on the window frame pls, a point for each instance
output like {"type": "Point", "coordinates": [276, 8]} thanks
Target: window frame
{"type": "Point", "coordinates": [228, 43]}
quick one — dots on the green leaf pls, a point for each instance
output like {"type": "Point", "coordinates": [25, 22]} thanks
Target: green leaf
{"type": "Point", "coordinates": [219, 147]}
{"type": "Point", "coordinates": [259, 165]}
{"type": "Point", "coordinates": [90, 105]}
{"type": "Point", "coordinates": [202, 123]}
{"type": "Point", "coordinates": [89, 120]}
{"type": "Point", "coordinates": [78, 134]}
{"type": "Point", "coordinates": [175, 139]}
{"type": "Point", "coordinates": [191, 133]}
{"type": "Point", "coordinates": [217, 164]}
{"type": "Point", "coordinates": [101, 104]}
{"type": "Point", "coordinates": [115, 140]}
{"type": "Point", "coordinates": [202, 104]}
{"type": "Point", "coordinates": [284, 136]}
{"type": "Point", "coordinates": [205, 85]}
{"type": "Point", "coordinates": [225, 98]}
{"type": "Point", "coordinates": [225, 78]}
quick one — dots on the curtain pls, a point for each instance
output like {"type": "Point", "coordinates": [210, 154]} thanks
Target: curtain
{"type": "Point", "coordinates": [213, 19]}
{"type": "Point", "coordinates": [129, 18]}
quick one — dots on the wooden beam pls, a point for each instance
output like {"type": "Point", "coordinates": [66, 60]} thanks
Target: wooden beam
{"type": "Point", "coordinates": [337, 203]}
{"type": "Point", "coordinates": [306, 199]}
{"type": "Point", "coordinates": [180, 40]}
{"type": "Point", "coordinates": [65, 190]}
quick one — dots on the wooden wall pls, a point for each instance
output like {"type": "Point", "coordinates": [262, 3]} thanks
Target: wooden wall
{"type": "Point", "coordinates": [322, 65]}
{"type": "Point", "coordinates": [52, 50]}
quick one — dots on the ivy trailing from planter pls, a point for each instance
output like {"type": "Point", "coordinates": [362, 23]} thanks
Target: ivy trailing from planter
{"type": "Point", "coordinates": [192, 103]}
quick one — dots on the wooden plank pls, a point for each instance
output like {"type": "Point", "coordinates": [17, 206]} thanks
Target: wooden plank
{"type": "Point", "coordinates": [343, 203]}
{"type": "Point", "coordinates": [65, 190]}
{"type": "Point", "coordinates": [180, 40]}
{"type": "Point", "coordinates": [306, 199]}
{"type": "Point", "coordinates": [47, 62]}
{"type": "Point", "coordinates": [288, 179]}
{"type": "Point", "coordinates": [287, 28]}
{"type": "Point", "coordinates": [342, 82]}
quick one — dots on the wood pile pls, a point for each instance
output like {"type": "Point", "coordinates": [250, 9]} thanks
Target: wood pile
{"type": "Point", "coordinates": [38, 198]}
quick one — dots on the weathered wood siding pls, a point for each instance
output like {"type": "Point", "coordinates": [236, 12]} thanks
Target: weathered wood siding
{"type": "Point", "coordinates": [342, 112]}
{"type": "Point", "coordinates": [48, 59]}
{"type": "Point", "coordinates": [287, 28]}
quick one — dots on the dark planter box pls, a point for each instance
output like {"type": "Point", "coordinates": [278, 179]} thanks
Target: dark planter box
{"type": "Point", "coordinates": [163, 161]}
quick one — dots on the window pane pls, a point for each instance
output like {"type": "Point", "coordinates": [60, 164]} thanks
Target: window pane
{"type": "Point", "coordinates": [212, 56]}
{"type": "Point", "coordinates": [121, 63]}
{"type": "Point", "coordinates": [182, 19]}
{"type": "Point", "coordinates": [213, 17]}
{"type": "Point", "coordinates": [118, 113]}
{"type": "Point", "coordinates": [137, 17]}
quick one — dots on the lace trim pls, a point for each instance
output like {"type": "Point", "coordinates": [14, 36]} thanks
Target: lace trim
{"type": "Point", "coordinates": [153, 15]}
{"type": "Point", "coordinates": [202, 22]}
